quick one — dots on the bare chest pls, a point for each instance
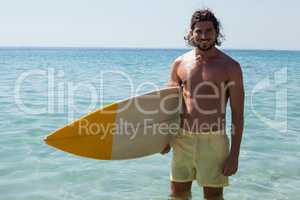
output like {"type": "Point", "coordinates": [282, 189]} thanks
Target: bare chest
{"type": "Point", "coordinates": [204, 79]}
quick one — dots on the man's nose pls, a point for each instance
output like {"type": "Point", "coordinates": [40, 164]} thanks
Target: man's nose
{"type": "Point", "coordinates": [203, 36]}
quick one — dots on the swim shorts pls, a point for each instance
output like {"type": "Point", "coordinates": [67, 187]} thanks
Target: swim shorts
{"type": "Point", "coordinates": [199, 156]}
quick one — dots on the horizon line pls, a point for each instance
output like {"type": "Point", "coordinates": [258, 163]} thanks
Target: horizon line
{"type": "Point", "coordinates": [145, 48]}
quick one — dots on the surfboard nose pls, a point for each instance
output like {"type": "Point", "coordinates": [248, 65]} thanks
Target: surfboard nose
{"type": "Point", "coordinates": [90, 136]}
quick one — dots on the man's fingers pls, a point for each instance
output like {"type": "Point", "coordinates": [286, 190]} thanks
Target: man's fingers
{"type": "Point", "coordinates": [166, 150]}
{"type": "Point", "coordinates": [227, 171]}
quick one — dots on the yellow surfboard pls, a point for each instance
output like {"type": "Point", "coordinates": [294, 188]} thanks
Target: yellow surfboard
{"type": "Point", "coordinates": [130, 128]}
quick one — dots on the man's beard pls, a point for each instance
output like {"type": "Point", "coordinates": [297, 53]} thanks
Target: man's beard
{"type": "Point", "coordinates": [206, 48]}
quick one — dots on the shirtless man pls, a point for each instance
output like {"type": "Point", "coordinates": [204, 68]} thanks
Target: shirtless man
{"type": "Point", "coordinates": [208, 78]}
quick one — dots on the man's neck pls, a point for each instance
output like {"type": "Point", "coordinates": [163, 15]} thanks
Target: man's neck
{"type": "Point", "coordinates": [207, 54]}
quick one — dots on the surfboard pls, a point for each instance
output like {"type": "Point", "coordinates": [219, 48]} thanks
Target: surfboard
{"type": "Point", "coordinates": [131, 128]}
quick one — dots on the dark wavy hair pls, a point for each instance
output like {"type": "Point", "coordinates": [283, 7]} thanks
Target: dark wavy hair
{"type": "Point", "coordinates": [205, 15]}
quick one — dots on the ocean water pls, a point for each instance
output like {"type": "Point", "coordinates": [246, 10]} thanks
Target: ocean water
{"type": "Point", "coordinates": [42, 89]}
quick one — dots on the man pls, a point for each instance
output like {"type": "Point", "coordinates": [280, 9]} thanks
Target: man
{"type": "Point", "coordinates": [209, 78]}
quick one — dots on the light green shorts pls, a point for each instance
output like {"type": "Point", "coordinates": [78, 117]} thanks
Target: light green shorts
{"type": "Point", "coordinates": [199, 156]}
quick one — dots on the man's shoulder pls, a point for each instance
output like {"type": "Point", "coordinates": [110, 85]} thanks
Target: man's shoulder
{"type": "Point", "coordinates": [184, 57]}
{"type": "Point", "coordinates": [231, 63]}
{"type": "Point", "coordinates": [180, 60]}
{"type": "Point", "coordinates": [229, 60]}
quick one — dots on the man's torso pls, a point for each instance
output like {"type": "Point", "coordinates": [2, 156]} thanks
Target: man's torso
{"type": "Point", "coordinates": [205, 92]}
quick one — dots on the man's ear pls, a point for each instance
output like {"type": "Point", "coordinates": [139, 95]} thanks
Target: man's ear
{"type": "Point", "coordinates": [189, 35]}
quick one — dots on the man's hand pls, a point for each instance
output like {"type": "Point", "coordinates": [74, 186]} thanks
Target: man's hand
{"type": "Point", "coordinates": [166, 149]}
{"type": "Point", "coordinates": [230, 165]}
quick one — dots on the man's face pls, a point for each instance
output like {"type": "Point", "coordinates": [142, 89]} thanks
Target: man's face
{"type": "Point", "coordinates": [204, 35]}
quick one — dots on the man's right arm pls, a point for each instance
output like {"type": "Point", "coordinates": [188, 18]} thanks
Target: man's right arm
{"type": "Point", "coordinates": [174, 81]}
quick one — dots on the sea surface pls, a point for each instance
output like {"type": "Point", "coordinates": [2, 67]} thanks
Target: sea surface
{"type": "Point", "coordinates": [42, 89]}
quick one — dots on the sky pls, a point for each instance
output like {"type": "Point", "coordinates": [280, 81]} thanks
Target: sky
{"type": "Point", "coordinates": [247, 24]}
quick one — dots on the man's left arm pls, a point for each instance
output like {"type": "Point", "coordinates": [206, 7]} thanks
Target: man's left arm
{"type": "Point", "coordinates": [236, 96]}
